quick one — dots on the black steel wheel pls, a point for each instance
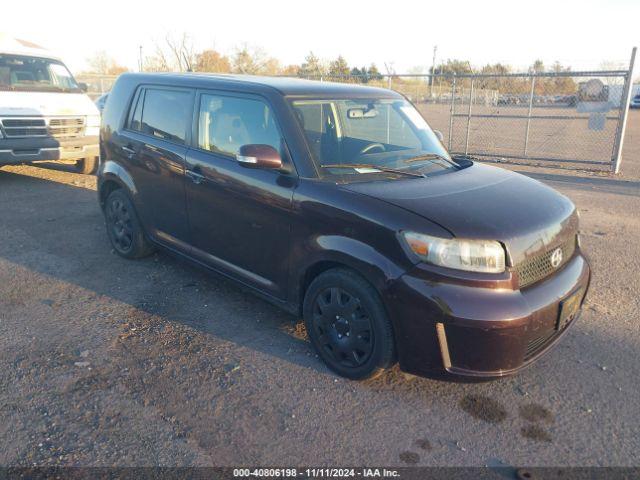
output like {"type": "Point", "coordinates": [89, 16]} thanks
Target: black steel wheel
{"type": "Point", "coordinates": [343, 327]}
{"type": "Point", "coordinates": [123, 227]}
{"type": "Point", "coordinates": [348, 325]}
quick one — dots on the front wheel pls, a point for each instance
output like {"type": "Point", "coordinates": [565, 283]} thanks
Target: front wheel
{"type": "Point", "coordinates": [348, 325]}
{"type": "Point", "coordinates": [87, 166]}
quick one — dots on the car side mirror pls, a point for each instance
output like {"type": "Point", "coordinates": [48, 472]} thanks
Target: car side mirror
{"type": "Point", "coordinates": [438, 134]}
{"type": "Point", "coordinates": [84, 87]}
{"type": "Point", "coordinates": [259, 156]}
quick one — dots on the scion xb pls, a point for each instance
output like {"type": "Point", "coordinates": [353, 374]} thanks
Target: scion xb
{"type": "Point", "coordinates": [340, 204]}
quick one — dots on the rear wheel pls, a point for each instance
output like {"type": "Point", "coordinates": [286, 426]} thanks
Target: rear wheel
{"type": "Point", "coordinates": [124, 228]}
{"type": "Point", "coordinates": [87, 166]}
{"type": "Point", "coordinates": [348, 325]}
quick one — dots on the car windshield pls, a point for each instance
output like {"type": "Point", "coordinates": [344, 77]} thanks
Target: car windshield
{"type": "Point", "coordinates": [35, 75]}
{"type": "Point", "coordinates": [352, 137]}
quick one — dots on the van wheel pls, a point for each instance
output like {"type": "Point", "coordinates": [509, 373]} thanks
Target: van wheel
{"type": "Point", "coordinates": [124, 228]}
{"type": "Point", "coordinates": [348, 325]}
{"type": "Point", "coordinates": [87, 166]}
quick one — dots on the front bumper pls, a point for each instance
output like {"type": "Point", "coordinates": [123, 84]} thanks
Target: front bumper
{"type": "Point", "coordinates": [459, 329]}
{"type": "Point", "coordinates": [26, 150]}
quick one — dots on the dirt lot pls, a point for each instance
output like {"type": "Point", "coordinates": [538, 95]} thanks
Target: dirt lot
{"type": "Point", "coordinates": [106, 362]}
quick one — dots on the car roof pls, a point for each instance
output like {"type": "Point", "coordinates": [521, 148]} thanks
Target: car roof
{"type": "Point", "coordinates": [16, 46]}
{"type": "Point", "coordinates": [287, 86]}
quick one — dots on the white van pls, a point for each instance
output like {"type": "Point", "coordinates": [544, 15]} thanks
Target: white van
{"type": "Point", "coordinates": [44, 113]}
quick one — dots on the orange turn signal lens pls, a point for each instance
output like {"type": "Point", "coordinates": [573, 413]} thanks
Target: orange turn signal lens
{"type": "Point", "coordinates": [419, 246]}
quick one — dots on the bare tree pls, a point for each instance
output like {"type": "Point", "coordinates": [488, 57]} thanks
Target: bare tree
{"type": "Point", "coordinates": [182, 51]}
{"type": "Point", "coordinates": [290, 70]}
{"type": "Point", "coordinates": [313, 66]}
{"type": "Point", "coordinates": [104, 64]}
{"type": "Point", "coordinates": [254, 61]}
{"type": "Point", "coordinates": [174, 53]}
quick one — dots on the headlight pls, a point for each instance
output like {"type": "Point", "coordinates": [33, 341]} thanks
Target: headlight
{"type": "Point", "coordinates": [92, 126]}
{"type": "Point", "coordinates": [469, 255]}
{"type": "Point", "coordinates": [93, 120]}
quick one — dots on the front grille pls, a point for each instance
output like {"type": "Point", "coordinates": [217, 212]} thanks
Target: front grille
{"type": "Point", "coordinates": [536, 268]}
{"type": "Point", "coordinates": [42, 127]}
{"type": "Point", "coordinates": [24, 127]}
{"type": "Point", "coordinates": [66, 127]}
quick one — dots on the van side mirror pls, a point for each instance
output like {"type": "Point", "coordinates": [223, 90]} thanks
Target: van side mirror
{"type": "Point", "coordinates": [84, 87]}
{"type": "Point", "coordinates": [259, 156]}
{"type": "Point", "coordinates": [438, 134]}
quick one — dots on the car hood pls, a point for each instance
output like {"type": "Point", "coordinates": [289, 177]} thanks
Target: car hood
{"type": "Point", "coordinates": [45, 104]}
{"type": "Point", "coordinates": [485, 202]}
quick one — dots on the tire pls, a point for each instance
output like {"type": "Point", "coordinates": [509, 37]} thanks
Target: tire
{"type": "Point", "coordinates": [123, 227]}
{"type": "Point", "coordinates": [348, 325]}
{"type": "Point", "coordinates": [87, 166]}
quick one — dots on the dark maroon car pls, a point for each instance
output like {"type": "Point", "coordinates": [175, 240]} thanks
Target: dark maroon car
{"type": "Point", "coordinates": [340, 204]}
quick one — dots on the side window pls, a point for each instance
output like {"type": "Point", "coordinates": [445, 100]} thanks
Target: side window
{"type": "Point", "coordinates": [135, 122]}
{"type": "Point", "coordinates": [164, 114]}
{"type": "Point", "coordinates": [227, 123]}
{"type": "Point", "coordinates": [312, 116]}
{"type": "Point", "coordinates": [319, 125]}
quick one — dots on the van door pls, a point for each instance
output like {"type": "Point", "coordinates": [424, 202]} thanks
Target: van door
{"type": "Point", "coordinates": [154, 146]}
{"type": "Point", "coordinates": [239, 217]}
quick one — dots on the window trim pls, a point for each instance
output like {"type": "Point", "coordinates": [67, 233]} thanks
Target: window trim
{"type": "Point", "coordinates": [139, 93]}
{"type": "Point", "coordinates": [142, 91]}
{"type": "Point", "coordinates": [195, 144]}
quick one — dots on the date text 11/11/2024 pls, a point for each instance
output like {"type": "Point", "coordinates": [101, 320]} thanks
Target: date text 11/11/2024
{"type": "Point", "coordinates": [315, 473]}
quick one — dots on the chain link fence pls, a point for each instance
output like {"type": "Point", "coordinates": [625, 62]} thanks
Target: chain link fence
{"type": "Point", "coordinates": [566, 119]}
{"type": "Point", "coordinates": [97, 84]}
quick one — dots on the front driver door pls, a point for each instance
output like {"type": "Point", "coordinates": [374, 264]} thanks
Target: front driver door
{"type": "Point", "coordinates": [239, 217]}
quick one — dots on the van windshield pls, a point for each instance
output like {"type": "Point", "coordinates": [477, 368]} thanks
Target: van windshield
{"type": "Point", "coordinates": [370, 136]}
{"type": "Point", "coordinates": [32, 74]}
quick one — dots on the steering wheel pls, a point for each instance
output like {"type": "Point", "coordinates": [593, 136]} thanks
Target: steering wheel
{"type": "Point", "coordinates": [372, 146]}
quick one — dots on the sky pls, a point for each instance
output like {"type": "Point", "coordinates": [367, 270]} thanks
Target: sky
{"type": "Point", "coordinates": [400, 33]}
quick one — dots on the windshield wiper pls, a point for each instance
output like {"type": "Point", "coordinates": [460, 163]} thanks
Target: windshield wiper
{"type": "Point", "coordinates": [427, 156]}
{"type": "Point", "coordinates": [373, 167]}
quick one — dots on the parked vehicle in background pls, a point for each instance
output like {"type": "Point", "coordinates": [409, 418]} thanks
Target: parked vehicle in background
{"type": "Point", "coordinates": [339, 203]}
{"type": "Point", "coordinates": [44, 113]}
{"type": "Point", "coordinates": [635, 102]}
{"type": "Point", "coordinates": [100, 101]}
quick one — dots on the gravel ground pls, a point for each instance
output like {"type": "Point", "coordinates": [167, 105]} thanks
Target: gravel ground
{"type": "Point", "coordinates": [105, 361]}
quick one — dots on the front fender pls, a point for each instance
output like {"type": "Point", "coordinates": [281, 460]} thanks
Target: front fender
{"type": "Point", "coordinates": [375, 267]}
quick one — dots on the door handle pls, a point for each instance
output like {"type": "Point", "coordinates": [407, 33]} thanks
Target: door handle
{"type": "Point", "coordinates": [195, 177]}
{"type": "Point", "coordinates": [130, 152]}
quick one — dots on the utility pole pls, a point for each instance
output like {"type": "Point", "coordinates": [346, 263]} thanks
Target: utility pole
{"type": "Point", "coordinates": [433, 70]}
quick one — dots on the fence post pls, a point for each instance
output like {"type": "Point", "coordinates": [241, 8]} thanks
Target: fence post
{"type": "Point", "coordinates": [526, 135]}
{"type": "Point", "coordinates": [466, 142]}
{"type": "Point", "coordinates": [452, 109]}
{"type": "Point", "coordinates": [624, 113]}
{"type": "Point", "coordinates": [389, 82]}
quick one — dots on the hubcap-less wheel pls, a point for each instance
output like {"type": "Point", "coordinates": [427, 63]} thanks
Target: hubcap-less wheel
{"type": "Point", "coordinates": [343, 327]}
{"type": "Point", "coordinates": [119, 220]}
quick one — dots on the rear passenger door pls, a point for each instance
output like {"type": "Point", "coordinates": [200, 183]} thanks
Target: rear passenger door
{"type": "Point", "coordinates": [239, 217]}
{"type": "Point", "coordinates": [154, 146]}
